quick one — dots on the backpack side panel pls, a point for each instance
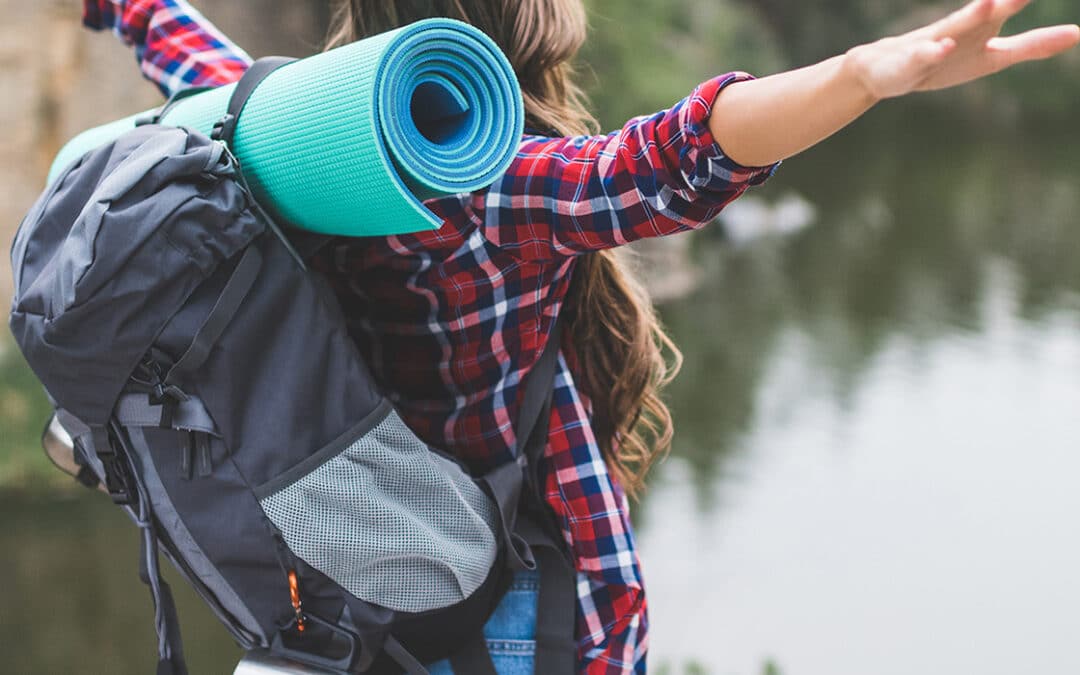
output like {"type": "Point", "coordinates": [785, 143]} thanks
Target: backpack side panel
{"type": "Point", "coordinates": [97, 283]}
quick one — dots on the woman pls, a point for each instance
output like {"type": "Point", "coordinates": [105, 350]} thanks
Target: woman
{"type": "Point", "coordinates": [452, 320]}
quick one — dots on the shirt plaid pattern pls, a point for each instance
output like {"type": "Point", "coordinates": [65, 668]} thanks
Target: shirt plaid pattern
{"type": "Point", "coordinates": [452, 320]}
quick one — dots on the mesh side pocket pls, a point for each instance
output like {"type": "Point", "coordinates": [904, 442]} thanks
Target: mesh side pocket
{"type": "Point", "coordinates": [391, 522]}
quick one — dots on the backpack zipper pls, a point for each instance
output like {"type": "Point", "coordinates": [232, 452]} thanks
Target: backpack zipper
{"type": "Point", "coordinates": [294, 597]}
{"type": "Point", "coordinates": [287, 561]}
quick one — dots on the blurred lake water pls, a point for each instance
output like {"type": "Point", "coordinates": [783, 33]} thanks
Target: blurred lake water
{"type": "Point", "coordinates": [876, 449]}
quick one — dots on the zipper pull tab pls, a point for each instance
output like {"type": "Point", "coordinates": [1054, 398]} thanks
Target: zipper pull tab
{"type": "Point", "coordinates": [187, 450]}
{"type": "Point", "coordinates": [202, 446]}
{"type": "Point", "coordinates": [294, 595]}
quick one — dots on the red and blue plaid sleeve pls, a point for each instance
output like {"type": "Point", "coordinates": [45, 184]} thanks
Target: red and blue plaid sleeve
{"type": "Point", "coordinates": [176, 46]}
{"type": "Point", "coordinates": [658, 175]}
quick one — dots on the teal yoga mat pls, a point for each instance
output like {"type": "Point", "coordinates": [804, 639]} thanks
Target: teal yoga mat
{"type": "Point", "coordinates": [351, 141]}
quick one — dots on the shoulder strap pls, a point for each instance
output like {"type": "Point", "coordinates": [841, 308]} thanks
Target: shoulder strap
{"type": "Point", "coordinates": [534, 539]}
{"type": "Point", "coordinates": [539, 386]}
{"type": "Point", "coordinates": [556, 647]}
{"type": "Point", "coordinates": [505, 482]}
{"type": "Point", "coordinates": [155, 116]}
{"type": "Point", "coordinates": [253, 77]}
{"type": "Point", "coordinates": [301, 245]}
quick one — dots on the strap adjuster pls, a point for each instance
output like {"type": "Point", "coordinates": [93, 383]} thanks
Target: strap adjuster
{"type": "Point", "coordinates": [224, 128]}
{"type": "Point", "coordinates": [118, 482]}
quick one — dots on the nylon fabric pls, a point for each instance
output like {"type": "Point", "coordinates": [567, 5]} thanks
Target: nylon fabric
{"type": "Point", "coordinates": [173, 524]}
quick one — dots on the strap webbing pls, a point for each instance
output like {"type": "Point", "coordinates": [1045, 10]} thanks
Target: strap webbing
{"type": "Point", "coordinates": [504, 485]}
{"type": "Point", "coordinates": [402, 657]}
{"type": "Point", "coordinates": [535, 411]}
{"type": "Point", "coordinates": [528, 542]}
{"type": "Point", "coordinates": [556, 608]}
{"type": "Point", "coordinates": [166, 623]}
{"type": "Point", "coordinates": [473, 658]}
{"type": "Point", "coordinates": [157, 115]}
{"type": "Point", "coordinates": [556, 646]}
{"type": "Point", "coordinates": [135, 410]}
{"type": "Point", "coordinates": [252, 78]}
{"type": "Point", "coordinates": [228, 303]}
{"type": "Point", "coordinates": [301, 245]}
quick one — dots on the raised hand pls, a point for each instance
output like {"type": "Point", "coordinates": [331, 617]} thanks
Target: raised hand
{"type": "Point", "coordinates": [962, 47]}
{"type": "Point", "coordinates": [761, 121]}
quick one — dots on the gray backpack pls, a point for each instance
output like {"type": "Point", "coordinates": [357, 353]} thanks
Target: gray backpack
{"type": "Point", "coordinates": [210, 385]}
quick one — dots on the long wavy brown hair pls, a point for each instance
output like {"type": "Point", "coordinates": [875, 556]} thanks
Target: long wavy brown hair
{"type": "Point", "coordinates": [622, 356]}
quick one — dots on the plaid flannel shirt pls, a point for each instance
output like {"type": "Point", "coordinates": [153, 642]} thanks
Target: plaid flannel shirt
{"type": "Point", "coordinates": [452, 320]}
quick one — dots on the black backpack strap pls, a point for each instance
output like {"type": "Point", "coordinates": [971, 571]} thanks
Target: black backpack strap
{"type": "Point", "coordinates": [532, 419]}
{"type": "Point", "coordinates": [505, 482]}
{"type": "Point", "coordinates": [155, 116]}
{"type": "Point", "coordinates": [556, 609]}
{"type": "Point", "coordinates": [556, 646]}
{"type": "Point", "coordinates": [301, 245]}
{"type": "Point", "coordinates": [252, 78]}
{"type": "Point", "coordinates": [166, 623]}
{"type": "Point", "coordinates": [228, 304]}
{"type": "Point", "coordinates": [473, 658]}
{"type": "Point", "coordinates": [404, 659]}
{"type": "Point", "coordinates": [533, 535]}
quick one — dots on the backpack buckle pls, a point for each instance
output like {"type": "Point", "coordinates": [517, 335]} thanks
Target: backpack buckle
{"type": "Point", "coordinates": [118, 482]}
{"type": "Point", "coordinates": [224, 128]}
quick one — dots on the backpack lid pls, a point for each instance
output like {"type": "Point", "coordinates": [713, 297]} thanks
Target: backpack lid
{"type": "Point", "coordinates": [112, 250]}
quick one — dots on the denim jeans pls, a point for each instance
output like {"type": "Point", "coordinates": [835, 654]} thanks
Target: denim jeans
{"type": "Point", "coordinates": [511, 630]}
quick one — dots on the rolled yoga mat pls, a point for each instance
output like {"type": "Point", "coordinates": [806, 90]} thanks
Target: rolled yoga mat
{"type": "Point", "coordinates": [352, 140]}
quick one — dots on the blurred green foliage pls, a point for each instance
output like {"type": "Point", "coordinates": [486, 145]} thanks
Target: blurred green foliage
{"type": "Point", "coordinates": [23, 412]}
{"type": "Point", "coordinates": [644, 56]}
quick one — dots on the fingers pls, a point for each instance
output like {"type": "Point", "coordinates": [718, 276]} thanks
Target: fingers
{"type": "Point", "coordinates": [969, 17]}
{"type": "Point", "coordinates": [1041, 43]}
{"type": "Point", "coordinates": [976, 15]}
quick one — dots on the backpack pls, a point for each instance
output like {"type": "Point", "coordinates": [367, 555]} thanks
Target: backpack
{"type": "Point", "coordinates": [209, 384]}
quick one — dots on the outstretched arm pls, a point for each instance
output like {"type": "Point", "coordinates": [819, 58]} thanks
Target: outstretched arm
{"type": "Point", "coordinates": [759, 122]}
{"type": "Point", "coordinates": [175, 45]}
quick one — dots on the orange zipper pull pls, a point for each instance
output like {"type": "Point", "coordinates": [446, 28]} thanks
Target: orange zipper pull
{"type": "Point", "coordinates": [294, 595]}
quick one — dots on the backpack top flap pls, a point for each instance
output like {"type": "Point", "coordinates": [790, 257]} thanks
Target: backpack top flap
{"type": "Point", "coordinates": [112, 250]}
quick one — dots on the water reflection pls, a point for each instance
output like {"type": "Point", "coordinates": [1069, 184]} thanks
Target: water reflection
{"type": "Point", "coordinates": [872, 468]}
{"type": "Point", "coordinates": [73, 602]}
{"type": "Point", "coordinates": [927, 525]}
{"type": "Point", "coordinates": [877, 431]}
{"type": "Point", "coordinates": [907, 232]}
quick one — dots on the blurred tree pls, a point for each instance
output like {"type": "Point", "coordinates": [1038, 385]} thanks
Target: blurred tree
{"type": "Point", "coordinates": [641, 58]}
{"type": "Point", "coordinates": [812, 30]}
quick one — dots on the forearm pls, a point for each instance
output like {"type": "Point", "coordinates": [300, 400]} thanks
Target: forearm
{"type": "Point", "coordinates": [759, 122]}
{"type": "Point", "coordinates": [176, 46]}
{"type": "Point", "coordinates": [770, 119]}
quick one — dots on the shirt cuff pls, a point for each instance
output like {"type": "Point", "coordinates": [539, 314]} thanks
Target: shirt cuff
{"type": "Point", "coordinates": [711, 168]}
